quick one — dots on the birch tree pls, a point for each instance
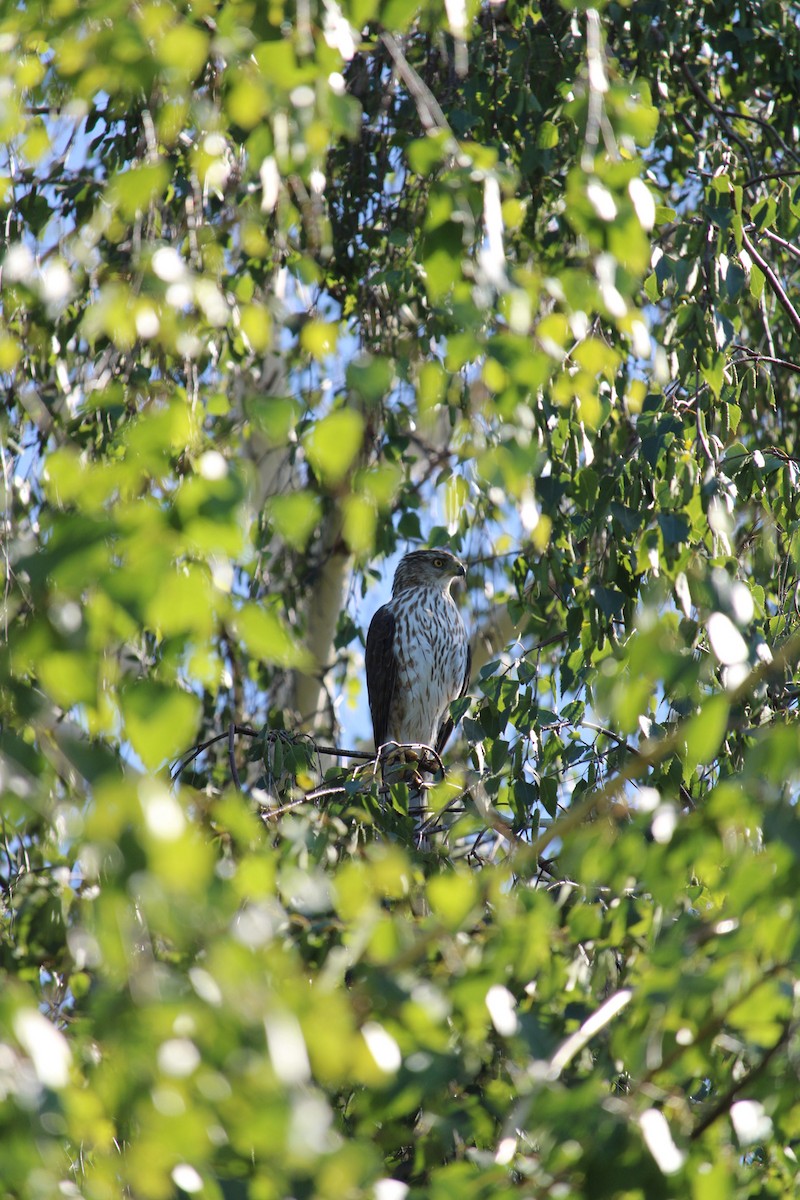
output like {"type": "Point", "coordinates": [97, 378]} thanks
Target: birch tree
{"type": "Point", "coordinates": [287, 290]}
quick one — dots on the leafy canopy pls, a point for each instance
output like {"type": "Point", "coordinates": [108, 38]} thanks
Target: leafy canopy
{"type": "Point", "coordinates": [287, 289]}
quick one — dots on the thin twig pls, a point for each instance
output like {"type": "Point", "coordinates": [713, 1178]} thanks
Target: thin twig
{"type": "Point", "coordinates": [271, 814]}
{"type": "Point", "coordinates": [775, 283]}
{"type": "Point", "coordinates": [754, 179]}
{"type": "Point", "coordinates": [701, 435]}
{"type": "Point", "coordinates": [779, 241]}
{"type": "Point", "coordinates": [246, 731]}
{"type": "Point", "coordinates": [753, 356]}
{"type": "Point", "coordinates": [232, 756]}
{"type": "Point", "coordinates": [549, 641]}
{"type": "Point", "coordinates": [194, 753]}
{"type": "Point", "coordinates": [724, 1102]}
{"type": "Point", "coordinates": [336, 752]}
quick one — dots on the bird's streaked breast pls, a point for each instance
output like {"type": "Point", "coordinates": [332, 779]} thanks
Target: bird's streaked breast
{"type": "Point", "coordinates": [430, 647]}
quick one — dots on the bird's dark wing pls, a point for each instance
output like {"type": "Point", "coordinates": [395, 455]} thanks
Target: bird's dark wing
{"type": "Point", "coordinates": [381, 672]}
{"type": "Point", "coordinates": [446, 727]}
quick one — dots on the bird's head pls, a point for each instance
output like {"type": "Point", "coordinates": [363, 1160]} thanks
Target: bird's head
{"type": "Point", "coordinates": [427, 568]}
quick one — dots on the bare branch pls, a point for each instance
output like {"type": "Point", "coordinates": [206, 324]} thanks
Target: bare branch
{"type": "Point", "coordinates": [782, 242]}
{"type": "Point", "coordinates": [428, 107]}
{"type": "Point", "coordinates": [774, 282]}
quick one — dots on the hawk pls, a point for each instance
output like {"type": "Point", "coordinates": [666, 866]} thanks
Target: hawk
{"type": "Point", "coordinates": [418, 656]}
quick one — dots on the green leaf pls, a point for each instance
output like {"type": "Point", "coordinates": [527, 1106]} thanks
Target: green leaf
{"type": "Point", "coordinates": [442, 266]}
{"type": "Point", "coordinates": [370, 377]}
{"type": "Point", "coordinates": [295, 516]}
{"type": "Point", "coordinates": [587, 485]}
{"type": "Point", "coordinates": [425, 154]}
{"type": "Point", "coordinates": [69, 676]}
{"type": "Point", "coordinates": [267, 638]}
{"type": "Point", "coordinates": [714, 374]}
{"type": "Point", "coordinates": [548, 793]}
{"type": "Point", "coordinates": [183, 603]}
{"type": "Point", "coordinates": [757, 281]}
{"type": "Point", "coordinates": [360, 523]}
{"type": "Point", "coordinates": [278, 63]}
{"type": "Point", "coordinates": [453, 897]}
{"type": "Point", "coordinates": [734, 417]}
{"type": "Point", "coordinates": [675, 528]}
{"type": "Point", "coordinates": [160, 720]}
{"type": "Point", "coordinates": [276, 416]}
{"type": "Point", "coordinates": [183, 49]}
{"type": "Point", "coordinates": [737, 456]}
{"type": "Point", "coordinates": [705, 731]}
{"type": "Point", "coordinates": [609, 601]}
{"type": "Point", "coordinates": [547, 136]}
{"type": "Point", "coordinates": [332, 444]}
{"type": "Point", "coordinates": [319, 338]}
{"type": "Point", "coordinates": [136, 189]}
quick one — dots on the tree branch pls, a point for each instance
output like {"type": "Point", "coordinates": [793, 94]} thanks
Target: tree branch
{"type": "Point", "coordinates": [782, 242]}
{"type": "Point", "coordinates": [429, 110]}
{"type": "Point", "coordinates": [774, 282]}
{"type": "Point", "coordinates": [724, 1102]}
{"type": "Point", "coordinates": [753, 356]}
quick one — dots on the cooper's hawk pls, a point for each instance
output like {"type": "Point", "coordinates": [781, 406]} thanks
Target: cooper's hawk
{"type": "Point", "coordinates": [418, 656]}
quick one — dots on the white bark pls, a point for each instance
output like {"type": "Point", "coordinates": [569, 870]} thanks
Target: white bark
{"type": "Point", "coordinates": [324, 602]}
{"type": "Point", "coordinates": [328, 564]}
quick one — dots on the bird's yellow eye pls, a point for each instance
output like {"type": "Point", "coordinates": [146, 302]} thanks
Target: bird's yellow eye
{"type": "Point", "coordinates": [438, 562]}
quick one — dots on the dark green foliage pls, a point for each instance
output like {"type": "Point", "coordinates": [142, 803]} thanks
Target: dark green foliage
{"type": "Point", "coordinates": [285, 289]}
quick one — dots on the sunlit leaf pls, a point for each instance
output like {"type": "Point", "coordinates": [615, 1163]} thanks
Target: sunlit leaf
{"type": "Point", "coordinates": [69, 676]}
{"type": "Point", "coordinates": [295, 516]}
{"type": "Point", "coordinates": [333, 443]}
{"type": "Point", "coordinates": [160, 720]}
{"type": "Point", "coordinates": [360, 521]}
{"type": "Point", "coordinates": [706, 730]}
{"type": "Point", "coordinates": [370, 377]}
{"type": "Point", "coordinates": [319, 338]}
{"type": "Point", "coordinates": [183, 49]}
{"type": "Point", "coordinates": [267, 637]}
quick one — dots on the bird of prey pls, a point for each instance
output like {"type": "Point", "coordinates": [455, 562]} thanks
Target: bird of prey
{"type": "Point", "coordinates": [418, 656]}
